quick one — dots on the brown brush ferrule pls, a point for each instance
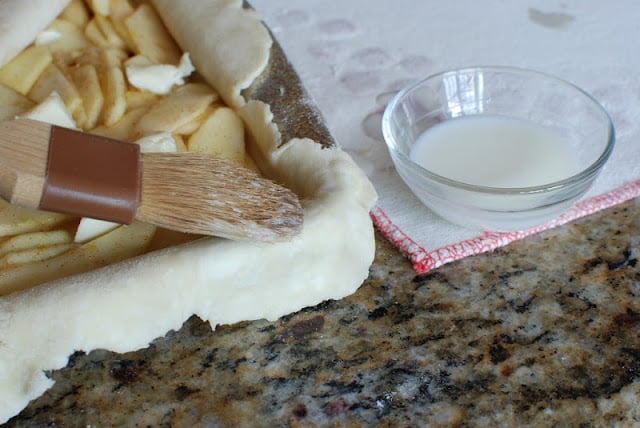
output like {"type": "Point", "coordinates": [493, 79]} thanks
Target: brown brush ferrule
{"type": "Point", "coordinates": [92, 176]}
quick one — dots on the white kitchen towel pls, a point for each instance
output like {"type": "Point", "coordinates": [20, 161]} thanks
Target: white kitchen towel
{"type": "Point", "coordinates": [354, 55]}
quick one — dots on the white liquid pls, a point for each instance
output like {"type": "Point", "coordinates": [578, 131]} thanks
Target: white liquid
{"type": "Point", "coordinates": [494, 151]}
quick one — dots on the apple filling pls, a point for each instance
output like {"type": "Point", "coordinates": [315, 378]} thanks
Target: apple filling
{"type": "Point", "coordinates": [108, 67]}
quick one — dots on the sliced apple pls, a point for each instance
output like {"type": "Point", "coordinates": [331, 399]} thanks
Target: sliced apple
{"type": "Point", "coordinates": [15, 220]}
{"type": "Point", "coordinates": [52, 80]}
{"type": "Point", "coordinates": [220, 135]}
{"type": "Point", "coordinates": [85, 78]}
{"type": "Point", "coordinates": [121, 243]}
{"type": "Point", "coordinates": [25, 69]}
{"type": "Point", "coordinates": [150, 37]}
{"type": "Point", "coordinates": [31, 240]}
{"type": "Point", "coordinates": [76, 12]}
{"type": "Point", "coordinates": [52, 110]}
{"type": "Point", "coordinates": [33, 255]}
{"type": "Point", "coordinates": [71, 38]}
{"type": "Point", "coordinates": [180, 107]}
{"type": "Point", "coordinates": [12, 103]}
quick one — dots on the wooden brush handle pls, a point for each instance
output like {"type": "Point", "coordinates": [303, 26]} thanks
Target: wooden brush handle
{"type": "Point", "coordinates": [92, 176]}
{"type": "Point", "coordinates": [23, 161]}
{"type": "Point", "coordinates": [58, 169]}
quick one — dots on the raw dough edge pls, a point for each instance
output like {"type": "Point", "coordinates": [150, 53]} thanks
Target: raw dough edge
{"type": "Point", "coordinates": [231, 57]}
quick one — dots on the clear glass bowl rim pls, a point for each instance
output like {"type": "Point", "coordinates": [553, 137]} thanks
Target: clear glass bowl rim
{"type": "Point", "coordinates": [578, 178]}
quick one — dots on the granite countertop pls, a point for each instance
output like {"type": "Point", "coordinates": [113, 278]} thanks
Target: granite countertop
{"type": "Point", "coordinates": [542, 332]}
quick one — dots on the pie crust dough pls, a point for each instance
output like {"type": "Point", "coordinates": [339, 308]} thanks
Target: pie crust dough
{"type": "Point", "coordinates": [124, 306]}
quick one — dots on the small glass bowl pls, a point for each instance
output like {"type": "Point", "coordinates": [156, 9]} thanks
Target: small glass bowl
{"type": "Point", "coordinates": [554, 104]}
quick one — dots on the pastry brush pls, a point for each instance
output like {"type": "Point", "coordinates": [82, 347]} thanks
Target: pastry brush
{"type": "Point", "coordinates": [57, 169]}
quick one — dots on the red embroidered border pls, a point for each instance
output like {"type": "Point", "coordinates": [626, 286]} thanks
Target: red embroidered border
{"type": "Point", "coordinates": [424, 260]}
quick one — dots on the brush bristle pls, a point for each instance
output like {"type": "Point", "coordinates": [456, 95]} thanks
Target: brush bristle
{"type": "Point", "coordinates": [199, 194]}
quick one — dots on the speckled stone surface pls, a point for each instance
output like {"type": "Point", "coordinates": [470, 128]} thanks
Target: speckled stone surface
{"type": "Point", "coordinates": [543, 332]}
